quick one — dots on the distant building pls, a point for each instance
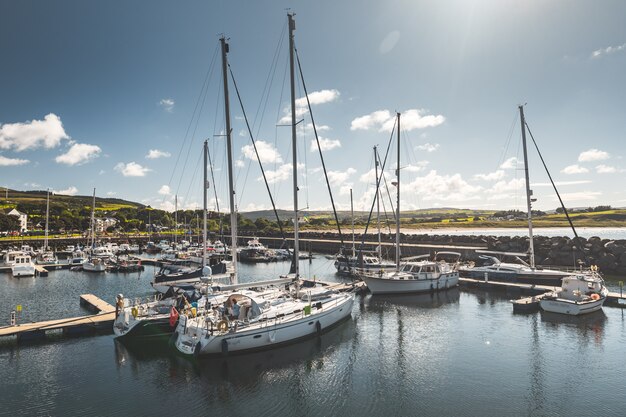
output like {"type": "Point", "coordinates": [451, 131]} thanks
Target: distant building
{"type": "Point", "coordinates": [103, 224]}
{"type": "Point", "coordinates": [23, 218]}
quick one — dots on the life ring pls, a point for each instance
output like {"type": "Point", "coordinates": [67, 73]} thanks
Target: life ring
{"type": "Point", "coordinates": [134, 312]}
{"type": "Point", "coordinates": [595, 296]}
{"type": "Point", "coordinates": [222, 325]}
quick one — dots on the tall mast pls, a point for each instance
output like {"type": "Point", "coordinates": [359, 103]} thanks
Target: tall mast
{"type": "Point", "coordinates": [379, 249]}
{"type": "Point", "coordinates": [352, 219]}
{"type": "Point", "coordinates": [175, 218]}
{"type": "Point", "coordinates": [45, 243]}
{"type": "Point", "coordinates": [93, 219]}
{"type": "Point", "coordinates": [296, 243]}
{"type": "Point", "coordinates": [529, 192]}
{"type": "Point", "coordinates": [229, 146]}
{"type": "Point", "coordinates": [204, 207]}
{"type": "Point", "coordinates": [398, 202]}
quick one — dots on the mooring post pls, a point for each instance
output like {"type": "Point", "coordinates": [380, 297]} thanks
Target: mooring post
{"type": "Point", "coordinates": [13, 321]}
{"type": "Point", "coordinates": [486, 276]}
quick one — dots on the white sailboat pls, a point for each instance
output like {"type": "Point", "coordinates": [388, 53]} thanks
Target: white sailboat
{"type": "Point", "coordinates": [413, 275]}
{"type": "Point", "coordinates": [45, 255]}
{"type": "Point", "coordinates": [265, 323]}
{"type": "Point", "coordinates": [93, 263]}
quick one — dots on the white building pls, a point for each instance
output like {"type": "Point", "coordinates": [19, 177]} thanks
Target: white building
{"type": "Point", "coordinates": [23, 218]}
{"type": "Point", "coordinates": [104, 223]}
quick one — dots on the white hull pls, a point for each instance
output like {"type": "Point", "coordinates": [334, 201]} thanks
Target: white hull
{"type": "Point", "coordinates": [264, 335]}
{"type": "Point", "coordinates": [387, 285]}
{"type": "Point", "coordinates": [90, 267]}
{"type": "Point", "coordinates": [570, 307]}
{"type": "Point", "coordinates": [24, 270]}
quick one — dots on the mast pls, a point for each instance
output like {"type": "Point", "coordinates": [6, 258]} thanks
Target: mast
{"type": "Point", "coordinates": [93, 220]}
{"type": "Point", "coordinates": [229, 147]}
{"type": "Point", "coordinates": [529, 192]}
{"type": "Point", "coordinates": [45, 243]}
{"type": "Point", "coordinates": [352, 217]}
{"type": "Point", "coordinates": [379, 248]}
{"type": "Point", "coordinates": [296, 243]}
{"type": "Point", "coordinates": [204, 207]}
{"type": "Point", "coordinates": [398, 202]}
{"type": "Point", "coordinates": [175, 218]}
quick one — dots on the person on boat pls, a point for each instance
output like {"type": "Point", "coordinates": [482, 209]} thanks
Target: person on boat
{"type": "Point", "coordinates": [236, 309]}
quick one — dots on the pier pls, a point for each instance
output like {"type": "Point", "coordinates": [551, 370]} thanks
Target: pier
{"type": "Point", "coordinates": [102, 321]}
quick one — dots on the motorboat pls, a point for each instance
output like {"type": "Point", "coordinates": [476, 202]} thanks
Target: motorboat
{"type": "Point", "coordinates": [255, 251]}
{"type": "Point", "coordinates": [361, 264]}
{"type": "Point", "coordinates": [512, 272]}
{"type": "Point", "coordinates": [93, 264]}
{"type": "Point", "coordinates": [47, 258]}
{"type": "Point", "coordinates": [578, 294]}
{"type": "Point", "coordinates": [414, 275]}
{"type": "Point", "coordinates": [23, 266]}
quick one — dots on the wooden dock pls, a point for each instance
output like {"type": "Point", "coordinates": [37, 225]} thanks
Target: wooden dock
{"type": "Point", "coordinates": [41, 271]}
{"type": "Point", "coordinates": [46, 267]}
{"type": "Point", "coordinates": [68, 326]}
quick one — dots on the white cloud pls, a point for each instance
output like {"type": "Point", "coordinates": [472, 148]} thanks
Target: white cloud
{"type": "Point", "coordinates": [505, 190]}
{"type": "Point", "coordinates": [325, 144]}
{"type": "Point", "coordinates": [574, 169]}
{"type": "Point", "coordinates": [167, 206]}
{"type": "Point", "coordinates": [254, 207]}
{"type": "Point", "coordinates": [111, 193]}
{"type": "Point", "coordinates": [510, 163]}
{"type": "Point", "coordinates": [320, 128]}
{"type": "Point", "coordinates": [593, 155]}
{"type": "Point", "coordinates": [492, 176]}
{"type": "Point", "coordinates": [267, 152]}
{"type": "Point", "coordinates": [68, 191]}
{"type": "Point", "coordinates": [598, 53]}
{"type": "Point", "coordinates": [578, 196]}
{"type": "Point", "coordinates": [340, 177]}
{"type": "Point", "coordinates": [155, 154]}
{"type": "Point", "coordinates": [419, 166]}
{"type": "Point", "coordinates": [281, 174]}
{"type": "Point", "coordinates": [316, 97]}
{"type": "Point", "coordinates": [559, 183]}
{"type": "Point", "coordinates": [11, 162]}
{"type": "Point", "coordinates": [78, 154]}
{"type": "Point", "coordinates": [167, 104]}
{"type": "Point", "coordinates": [46, 133]}
{"type": "Point", "coordinates": [607, 169]}
{"type": "Point", "coordinates": [428, 147]}
{"type": "Point", "coordinates": [389, 42]}
{"type": "Point", "coordinates": [239, 163]}
{"type": "Point", "coordinates": [433, 186]}
{"type": "Point", "coordinates": [384, 120]}
{"type": "Point", "coordinates": [131, 169]}
{"type": "Point", "coordinates": [165, 190]}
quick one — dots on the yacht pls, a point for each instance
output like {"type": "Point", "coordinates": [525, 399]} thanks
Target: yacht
{"type": "Point", "coordinates": [94, 264]}
{"type": "Point", "coordinates": [361, 264]}
{"type": "Point", "coordinates": [23, 266]}
{"type": "Point", "coordinates": [255, 252]}
{"type": "Point", "coordinates": [513, 272]}
{"type": "Point", "coordinates": [414, 275]}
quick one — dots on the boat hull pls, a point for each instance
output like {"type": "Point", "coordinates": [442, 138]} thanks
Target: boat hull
{"type": "Point", "coordinates": [571, 308]}
{"type": "Point", "coordinates": [23, 271]}
{"type": "Point", "coordinates": [147, 328]}
{"type": "Point", "coordinates": [269, 336]}
{"type": "Point", "coordinates": [383, 285]}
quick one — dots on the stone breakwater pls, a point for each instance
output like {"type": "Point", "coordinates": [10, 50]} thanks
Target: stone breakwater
{"type": "Point", "coordinates": [608, 255]}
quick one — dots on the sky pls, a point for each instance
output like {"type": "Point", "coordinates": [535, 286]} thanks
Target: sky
{"type": "Point", "coordinates": [119, 96]}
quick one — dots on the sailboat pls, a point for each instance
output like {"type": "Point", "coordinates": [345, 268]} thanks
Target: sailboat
{"type": "Point", "coordinates": [261, 324]}
{"type": "Point", "coordinates": [46, 256]}
{"type": "Point", "coordinates": [414, 274]}
{"type": "Point", "coordinates": [523, 272]}
{"type": "Point", "coordinates": [93, 263]}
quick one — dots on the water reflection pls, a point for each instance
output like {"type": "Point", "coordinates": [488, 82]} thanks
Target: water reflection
{"type": "Point", "coordinates": [428, 300]}
{"type": "Point", "coordinates": [584, 326]}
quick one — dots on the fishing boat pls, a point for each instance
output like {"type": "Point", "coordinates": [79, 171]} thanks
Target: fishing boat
{"type": "Point", "coordinates": [579, 294]}
{"type": "Point", "coordinates": [255, 323]}
{"type": "Point", "coordinates": [23, 266]}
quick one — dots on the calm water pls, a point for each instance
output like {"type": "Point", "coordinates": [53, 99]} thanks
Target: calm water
{"type": "Point", "coordinates": [455, 353]}
{"type": "Point", "coordinates": [586, 232]}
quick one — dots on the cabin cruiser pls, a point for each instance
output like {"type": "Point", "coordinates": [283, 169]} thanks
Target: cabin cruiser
{"type": "Point", "coordinates": [512, 272]}
{"type": "Point", "coordinates": [415, 275]}
{"type": "Point", "coordinates": [578, 294]}
{"type": "Point", "coordinates": [47, 258]}
{"type": "Point", "coordinates": [23, 266]}
{"type": "Point", "coordinates": [255, 252]}
{"type": "Point", "coordinates": [361, 263]}
{"type": "Point", "coordinates": [94, 264]}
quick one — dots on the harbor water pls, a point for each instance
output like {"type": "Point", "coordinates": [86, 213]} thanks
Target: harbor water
{"type": "Point", "coordinates": [461, 352]}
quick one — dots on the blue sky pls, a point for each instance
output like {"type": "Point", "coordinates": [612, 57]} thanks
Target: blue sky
{"type": "Point", "coordinates": [106, 94]}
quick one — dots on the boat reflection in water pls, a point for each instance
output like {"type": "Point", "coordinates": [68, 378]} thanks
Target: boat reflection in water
{"type": "Point", "coordinates": [422, 300]}
{"type": "Point", "coordinates": [591, 324]}
{"type": "Point", "coordinates": [243, 369]}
